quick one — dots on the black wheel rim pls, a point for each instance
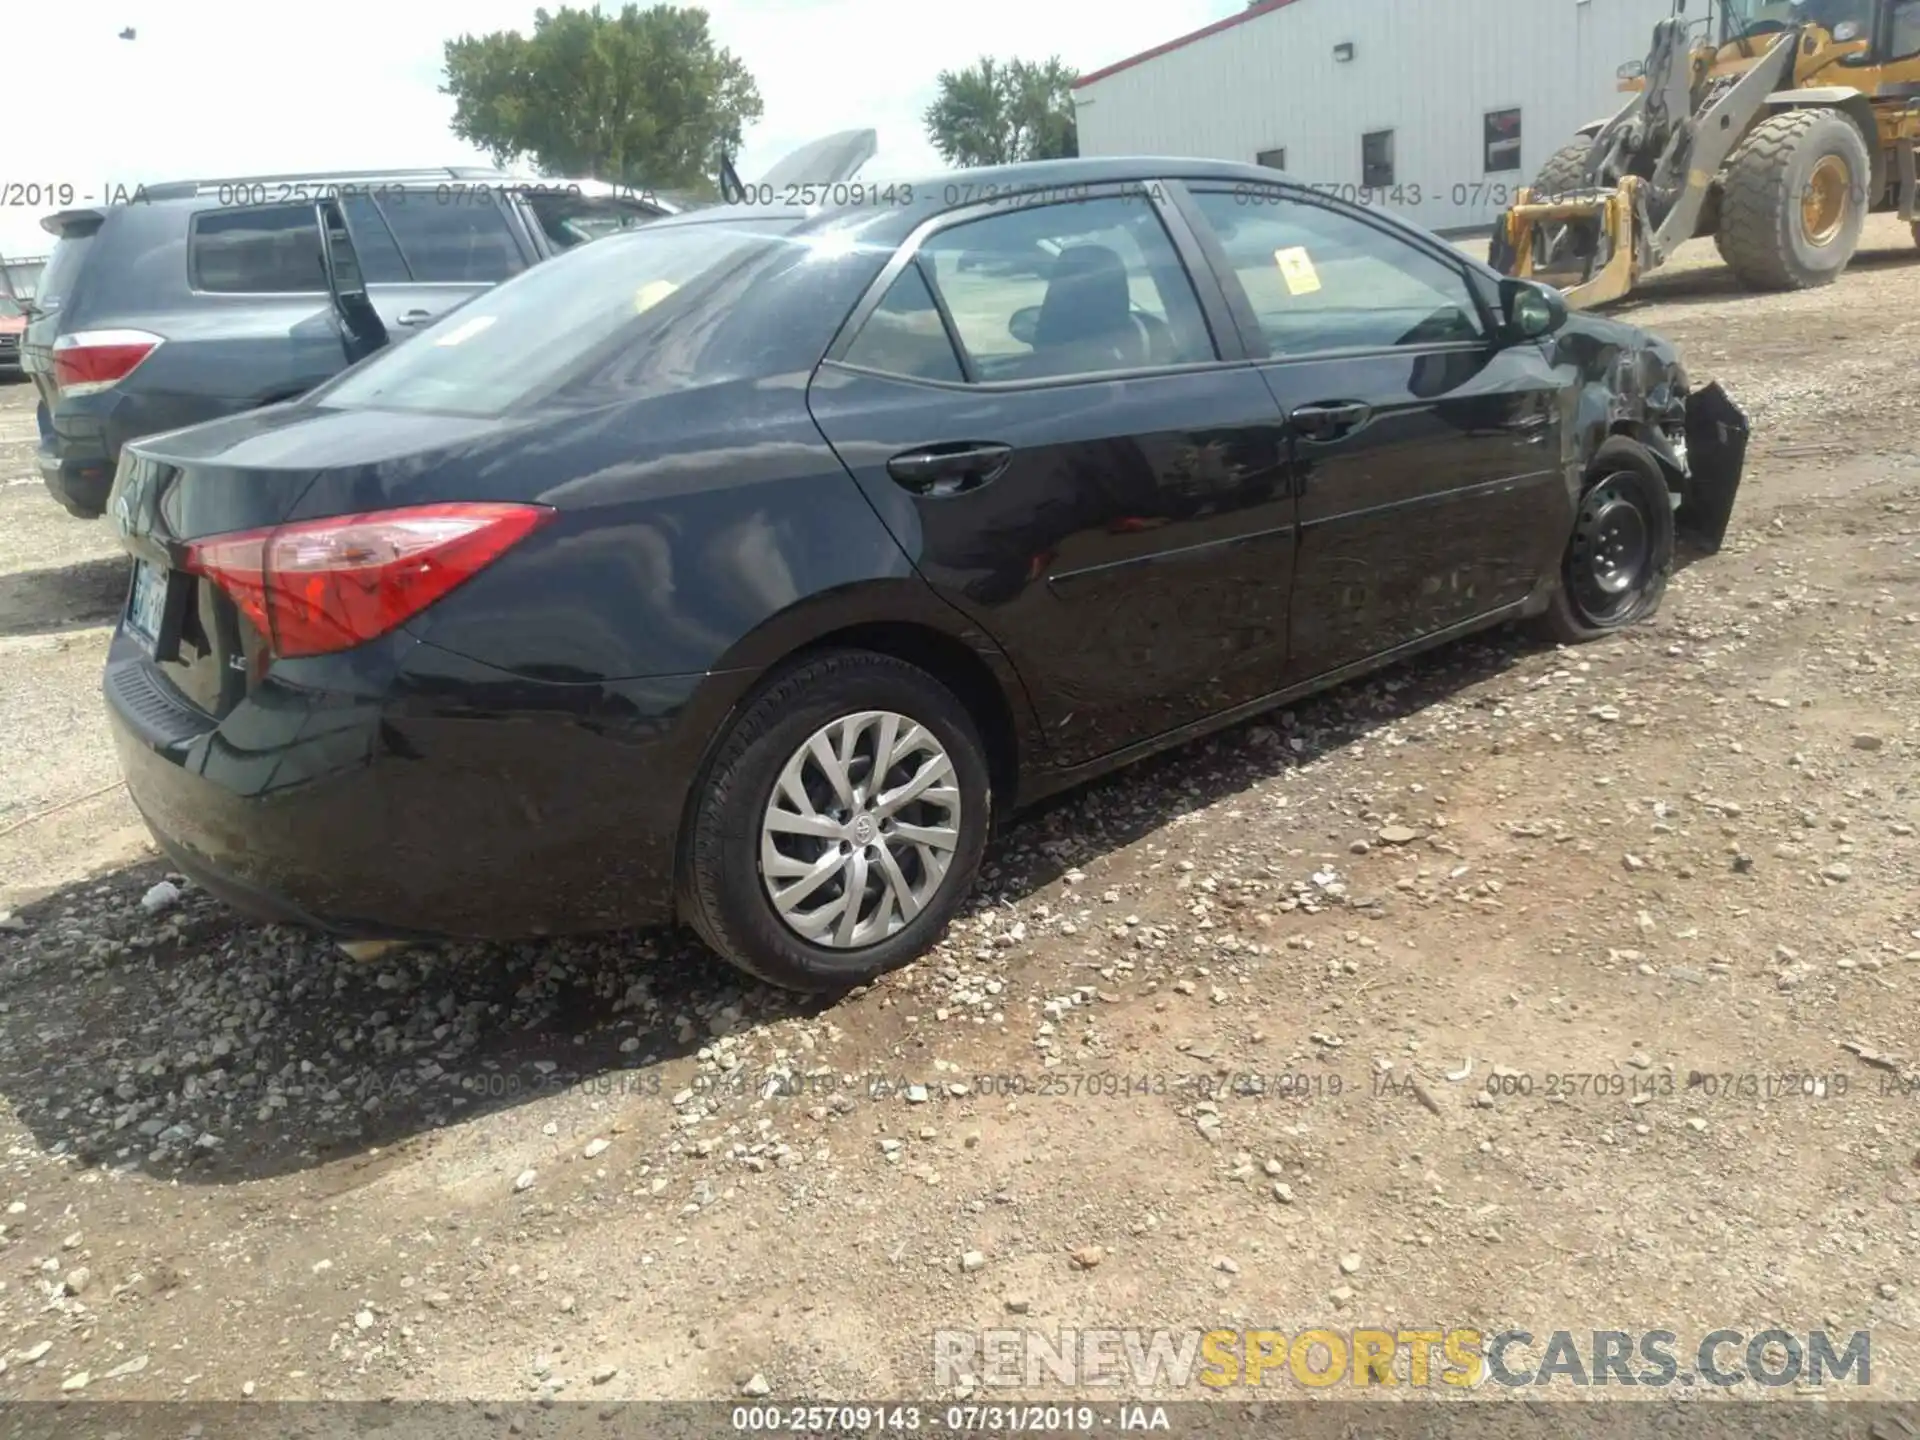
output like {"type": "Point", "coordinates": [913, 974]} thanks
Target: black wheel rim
{"type": "Point", "coordinates": [1611, 559]}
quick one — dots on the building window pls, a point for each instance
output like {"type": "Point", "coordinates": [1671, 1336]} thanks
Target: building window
{"type": "Point", "coordinates": [1272, 159]}
{"type": "Point", "coordinates": [1503, 141]}
{"type": "Point", "coordinates": [1376, 160]}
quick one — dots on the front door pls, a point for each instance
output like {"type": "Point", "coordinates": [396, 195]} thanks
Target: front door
{"type": "Point", "coordinates": [1038, 409]}
{"type": "Point", "coordinates": [1427, 449]}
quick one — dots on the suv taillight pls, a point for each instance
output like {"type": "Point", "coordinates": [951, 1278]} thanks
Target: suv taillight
{"type": "Point", "coordinates": [90, 360]}
{"type": "Point", "coordinates": [326, 585]}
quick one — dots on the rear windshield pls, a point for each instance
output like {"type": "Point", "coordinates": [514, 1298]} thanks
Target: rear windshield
{"type": "Point", "coordinates": [63, 266]}
{"type": "Point", "coordinates": [520, 341]}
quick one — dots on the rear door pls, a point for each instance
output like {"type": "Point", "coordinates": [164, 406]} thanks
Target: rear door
{"type": "Point", "coordinates": [1427, 448]}
{"type": "Point", "coordinates": [424, 249]}
{"type": "Point", "coordinates": [1047, 405]}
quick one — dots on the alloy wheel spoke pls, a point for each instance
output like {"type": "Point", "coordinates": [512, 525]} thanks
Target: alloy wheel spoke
{"type": "Point", "coordinates": [856, 868]}
{"type": "Point", "coordinates": [923, 779]}
{"type": "Point", "coordinates": [937, 837]}
{"type": "Point", "coordinates": [899, 892]}
{"type": "Point", "coordinates": [788, 822]}
{"type": "Point", "coordinates": [821, 871]}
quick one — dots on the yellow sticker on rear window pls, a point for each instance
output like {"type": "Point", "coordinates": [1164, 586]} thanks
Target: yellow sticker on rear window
{"type": "Point", "coordinates": [1296, 268]}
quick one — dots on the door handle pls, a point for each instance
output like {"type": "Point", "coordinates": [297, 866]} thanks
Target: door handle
{"type": "Point", "coordinates": [940, 470]}
{"type": "Point", "coordinates": [1331, 420]}
{"type": "Point", "coordinates": [414, 317]}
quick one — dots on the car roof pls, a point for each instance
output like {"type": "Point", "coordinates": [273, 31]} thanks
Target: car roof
{"type": "Point", "coordinates": [911, 201]}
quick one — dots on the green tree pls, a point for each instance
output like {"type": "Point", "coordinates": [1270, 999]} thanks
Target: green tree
{"type": "Point", "coordinates": [997, 112]}
{"type": "Point", "coordinates": [642, 98]}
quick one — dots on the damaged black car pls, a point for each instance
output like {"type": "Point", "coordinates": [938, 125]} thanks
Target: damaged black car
{"type": "Point", "coordinates": [747, 567]}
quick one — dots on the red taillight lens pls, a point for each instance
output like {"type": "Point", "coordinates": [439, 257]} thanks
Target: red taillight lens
{"type": "Point", "coordinates": [326, 585]}
{"type": "Point", "coordinates": [90, 360]}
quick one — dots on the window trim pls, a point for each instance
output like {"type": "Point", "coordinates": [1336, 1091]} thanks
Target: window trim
{"type": "Point", "coordinates": [1255, 338]}
{"type": "Point", "coordinates": [1519, 159]}
{"type": "Point", "coordinates": [193, 267]}
{"type": "Point", "coordinates": [1229, 344]}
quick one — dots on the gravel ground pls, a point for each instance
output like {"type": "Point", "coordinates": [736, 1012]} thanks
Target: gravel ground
{"type": "Point", "coordinates": [1339, 957]}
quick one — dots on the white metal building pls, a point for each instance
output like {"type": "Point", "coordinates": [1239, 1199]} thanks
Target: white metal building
{"type": "Point", "coordinates": [1439, 108]}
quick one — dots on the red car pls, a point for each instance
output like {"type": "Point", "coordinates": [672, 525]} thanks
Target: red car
{"type": "Point", "coordinates": [13, 324]}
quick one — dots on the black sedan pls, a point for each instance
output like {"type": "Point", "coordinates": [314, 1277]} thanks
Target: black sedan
{"type": "Point", "coordinates": [745, 567]}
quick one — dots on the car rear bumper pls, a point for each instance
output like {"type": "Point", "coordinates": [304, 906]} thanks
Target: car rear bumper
{"type": "Point", "coordinates": [379, 812]}
{"type": "Point", "coordinates": [79, 484]}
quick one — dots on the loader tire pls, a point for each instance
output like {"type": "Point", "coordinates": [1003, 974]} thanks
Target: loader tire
{"type": "Point", "coordinates": [1794, 201]}
{"type": "Point", "coordinates": [1565, 170]}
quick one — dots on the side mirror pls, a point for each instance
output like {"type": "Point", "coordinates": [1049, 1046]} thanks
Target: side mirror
{"type": "Point", "coordinates": [1531, 310]}
{"type": "Point", "coordinates": [1024, 325]}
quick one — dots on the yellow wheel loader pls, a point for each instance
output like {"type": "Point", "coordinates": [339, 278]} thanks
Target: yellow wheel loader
{"type": "Point", "coordinates": [1773, 127]}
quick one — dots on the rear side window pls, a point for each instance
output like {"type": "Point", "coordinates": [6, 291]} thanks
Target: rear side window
{"type": "Point", "coordinates": [461, 238]}
{"type": "Point", "coordinates": [256, 250]}
{"type": "Point", "coordinates": [650, 299]}
{"type": "Point", "coordinates": [905, 335]}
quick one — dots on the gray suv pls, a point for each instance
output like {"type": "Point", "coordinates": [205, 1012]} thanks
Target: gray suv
{"type": "Point", "coordinates": [200, 299]}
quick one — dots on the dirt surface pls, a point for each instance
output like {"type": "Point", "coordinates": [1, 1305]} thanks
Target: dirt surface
{"type": "Point", "coordinates": [234, 1163]}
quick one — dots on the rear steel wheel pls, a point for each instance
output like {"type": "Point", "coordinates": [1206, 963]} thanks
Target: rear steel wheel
{"type": "Point", "coordinates": [860, 830]}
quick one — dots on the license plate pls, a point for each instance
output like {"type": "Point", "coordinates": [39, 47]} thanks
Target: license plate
{"type": "Point", "coordinates": [148, 603]}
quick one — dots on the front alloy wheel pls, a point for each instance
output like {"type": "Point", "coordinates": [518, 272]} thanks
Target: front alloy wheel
{"type": "Point", "coordinates": [860, 830]}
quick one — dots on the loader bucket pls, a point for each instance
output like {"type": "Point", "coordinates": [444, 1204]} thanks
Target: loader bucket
{"type": "Point", "coordinates": [1716, 457]}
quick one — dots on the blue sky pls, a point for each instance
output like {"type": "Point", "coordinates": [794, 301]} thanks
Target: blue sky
{"type": "Point", "coordinates": [213, 87]}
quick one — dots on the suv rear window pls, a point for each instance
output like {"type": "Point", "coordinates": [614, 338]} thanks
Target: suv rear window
{"type": "Point", "coordinates": [64, 265]}
{"type": "Point", "coordinates": [256, 250]}
{"type": "Point", "coordinates": [656, 289]}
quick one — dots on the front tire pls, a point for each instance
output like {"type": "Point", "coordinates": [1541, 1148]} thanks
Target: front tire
{"type": "Point", "coordinates": [1614, 571]}
{"type": "Point", "coordinates": [840, 825]}
{"type": "Point", "coordinates": [1794, 201]}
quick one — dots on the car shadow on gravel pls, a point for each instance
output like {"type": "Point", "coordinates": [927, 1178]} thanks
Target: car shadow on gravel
{"type": "Point", "coordinates": [194, 1044]}
{"type": "Point", "coordinates": [79, 596]}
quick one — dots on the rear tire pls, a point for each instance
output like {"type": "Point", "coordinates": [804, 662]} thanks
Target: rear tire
{"type": "Point", "coordinates": [768, 802]}
{"type": "Point", "coordinates": [1794, 201]}
{"type": "Point", "coordinates": [1615, 568]}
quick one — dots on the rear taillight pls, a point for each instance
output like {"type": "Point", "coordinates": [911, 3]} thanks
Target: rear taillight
{"type": "Point", "coordinates": [326, 585]}
{"type": "Point", "coordinates": [90, 360]}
